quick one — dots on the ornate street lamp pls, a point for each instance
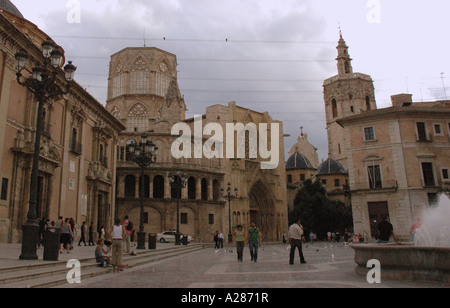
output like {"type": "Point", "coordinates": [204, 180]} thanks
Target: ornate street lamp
{"type": "Point", "coordinates": [178, 183]}
{"type": "Point", "coordinates": [143, 154]}
{"type": "Point", "coordinates": [43, 84]}
{"type": "Point", "coordinates": [228, 196]}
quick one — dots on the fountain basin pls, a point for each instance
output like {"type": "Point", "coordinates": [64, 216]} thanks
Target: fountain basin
{"type": "Point", "coordinates": [405, 262]}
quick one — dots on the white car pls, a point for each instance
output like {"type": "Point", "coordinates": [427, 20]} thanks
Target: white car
{"type": "Point", "coordinates": [169, 237]}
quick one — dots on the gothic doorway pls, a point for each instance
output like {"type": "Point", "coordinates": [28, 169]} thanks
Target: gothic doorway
{"type": "Point", "coordinates": [262, 210]}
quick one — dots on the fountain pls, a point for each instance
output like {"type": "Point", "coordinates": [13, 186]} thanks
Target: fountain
{"type": "Point", "coordinates": [428, 258]}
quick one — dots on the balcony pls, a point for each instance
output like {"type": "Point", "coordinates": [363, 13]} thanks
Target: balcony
{"type": "Point", "coordinates": [76, 147]}
{"type": "Point", "coordinates": [383, 186]}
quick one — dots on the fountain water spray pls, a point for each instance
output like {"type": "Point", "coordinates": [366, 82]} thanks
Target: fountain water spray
{"type": "Point", "coordinates": [435, 229]}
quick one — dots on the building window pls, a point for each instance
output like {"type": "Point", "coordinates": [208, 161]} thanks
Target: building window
{"type": "Point", "coordinates": [445, 175]}
{"type": "Point", "coordinates": [352, 109]}
{"type": "Point", "coordinates": [337, 183]}
{"type": "Point", "coordinates": [428, 174]}
{"type": "Point", "coordinates": [4, 192]}
{"type": "Point", "coordinates": [302, 178]}
{"type": "Point", "coordinates": [368, 106]}
{"type": "Point", "coordinates": [334, 108]}
{"type": "Point", "coordinates": [211, 219]}
{"type": "Point", "coordinates": [290, 179]}
{"type": "Point", "coordinates": [204, 189]}
{"type": "Point", "coordinates": [192, 189]}
{"type": "Point", "coordinates": [140, 77]}
{"type": "Point", "coordinates": [130, 186]}
{"type": "Point", "coordinates": [375, 177]}
{"type": "Point", "coordinates": [138, 118]}
{"type": "Point", "coordinates": [438, 129]}
{"type": "Point", "coordinates": [145, 218]}
{"type": "Point", "coordinates": [216, 190]}
{"type": "Point", "coordinates": [158, 187]}
{"type": "Point", "coordinates": [184, 218]}
{"type": "Point", "coordinates": [369, 133]}
{"type": "Point", "coordinates": [324, 182]}
{"type": "Point", "coordinates": [422, 131]}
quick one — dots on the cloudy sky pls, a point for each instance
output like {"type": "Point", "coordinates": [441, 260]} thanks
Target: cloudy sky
{"type": "Point", "coordinates": [267, 55]}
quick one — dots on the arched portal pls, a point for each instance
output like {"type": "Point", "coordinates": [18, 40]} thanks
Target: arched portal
{"type": "Point", "coordinates": [262, 211]}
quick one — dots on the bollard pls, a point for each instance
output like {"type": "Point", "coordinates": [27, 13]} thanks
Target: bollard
{"type": "Point", "coordinates": [52, 244]}
{"type": "Point", "coordinates": [152, 241]}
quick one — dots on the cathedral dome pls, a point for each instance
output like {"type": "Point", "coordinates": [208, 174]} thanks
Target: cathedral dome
{"type": "Point", "coordinates": [7, 5]}
{"type": "Point", "coordinates": [330, 167]}
{"type": "Point", "coordinates": [298, 161]}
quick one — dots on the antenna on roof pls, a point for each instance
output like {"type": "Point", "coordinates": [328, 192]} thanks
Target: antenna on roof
{"type": "Point", "coordinates": [443, 85]}
{"type": "Point", "coordinates": [145, 43]}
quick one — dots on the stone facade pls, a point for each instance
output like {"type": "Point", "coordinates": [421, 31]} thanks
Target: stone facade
{"type": "Point", "coordinates": [401, 166]}
{"type": "Point", "coordinates": [77, 163]}
{"type": "Point", "coordinates": [144, 95]}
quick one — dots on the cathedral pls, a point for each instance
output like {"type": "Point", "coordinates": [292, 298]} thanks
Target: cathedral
{"type": "Point", "coordinates": [143, 94]}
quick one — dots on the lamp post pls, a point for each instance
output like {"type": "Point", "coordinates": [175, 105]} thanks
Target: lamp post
{"type": "Point", "coordinates": [228, 196]}
{"type": "Point", "coordinates": [178, 182]}
{"type": "Point", "coordinates": [143, 154]}
{"type": "Point", "coordinates": [43, 83]}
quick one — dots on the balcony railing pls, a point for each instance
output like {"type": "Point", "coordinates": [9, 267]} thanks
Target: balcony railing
{"type": "Point", "coordinates": [76, 147]}
{"type": "Point", "coordinates": [385, 185]}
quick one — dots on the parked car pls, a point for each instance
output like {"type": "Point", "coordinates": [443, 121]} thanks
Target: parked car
{"type": "Point", "coordinates": [169, 237]}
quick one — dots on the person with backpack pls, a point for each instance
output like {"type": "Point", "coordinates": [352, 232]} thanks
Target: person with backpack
{"type": "Point", "coordinates": [128, 225]}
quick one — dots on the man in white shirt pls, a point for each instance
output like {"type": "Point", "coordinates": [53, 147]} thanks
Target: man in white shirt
{"type": "Point", "coordinates": [221, 237]}
{"type": "Point", "coordinates": [295, 239]}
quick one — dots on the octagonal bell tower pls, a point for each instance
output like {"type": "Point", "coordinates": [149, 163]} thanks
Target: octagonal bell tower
{"type": "Point", "coordinates": [143, 89]}
{"type": "Point", "coordinates": [345, 94]}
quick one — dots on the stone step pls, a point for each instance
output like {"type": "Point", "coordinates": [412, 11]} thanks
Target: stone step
{"type": "Point", "coordinates": [49, 264]}
{"type": "Point", "coordinates": [40, 271]}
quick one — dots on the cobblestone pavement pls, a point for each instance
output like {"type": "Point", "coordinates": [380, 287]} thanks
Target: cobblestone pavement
{"type": "Point", "coordinates": [329, 266]}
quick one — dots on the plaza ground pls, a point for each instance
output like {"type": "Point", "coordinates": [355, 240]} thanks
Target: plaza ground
{"type": "Point", "coordinates": [329, 266]}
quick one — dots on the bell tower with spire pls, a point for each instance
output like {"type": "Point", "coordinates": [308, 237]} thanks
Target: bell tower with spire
{"type": "Point", "coordinates": [345, 94]}
{"type": "Point", "coordinates": [344, 60]}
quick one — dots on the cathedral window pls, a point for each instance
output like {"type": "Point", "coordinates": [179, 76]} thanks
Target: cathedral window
{"type": "Point", "coordinates": [140, 78]}
{"type": "Point", "coordinates": [138, 119]}
{"type": "Point", "coordinates": [117, 81]}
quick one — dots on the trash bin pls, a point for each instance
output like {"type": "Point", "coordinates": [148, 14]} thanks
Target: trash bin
{"type": "Point", "coordinates": [52, 244]}
{"type": "Point", "coordinates": [184, 240]}
{"type": "Point", "coordinates": [152, 241]}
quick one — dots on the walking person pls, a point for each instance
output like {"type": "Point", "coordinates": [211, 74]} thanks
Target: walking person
{"type": "Point", "coordinates": [117, 234]}
{"type": "Point", "coordinates": [254, 238]}
{"type": "Point", "coordinates": [221, 237]}
{"type": "Point", "coordinates": [83, 234]}
{"type": "Point", "coordinates": [74, 232]}
{"type": "Point", "coordinates": [66, 235]}
{"type": "Point", "coordinates": [311, 238]}
{"type": "Point", "coordinates": [128, 225]}
{"type": "Point", "coordinates": [295, 239]}
{"type": "Point", "coordinates": [216, 240]}
{"type": "Point", "coordinates": [239, 235]}
{"type": "Point", "coordinates": [91, 234]}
